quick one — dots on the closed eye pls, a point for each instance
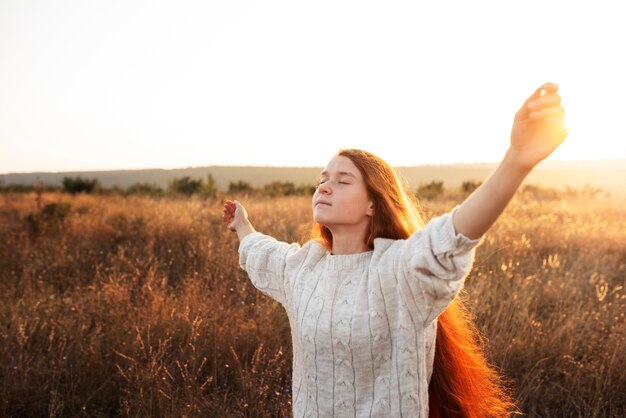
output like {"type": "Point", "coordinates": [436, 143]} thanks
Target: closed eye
{"type": "Point", "coordinates": [340, 182]}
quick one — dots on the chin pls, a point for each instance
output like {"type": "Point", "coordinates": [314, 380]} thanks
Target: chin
{"type": "Point", "coordinates": [320, 221]}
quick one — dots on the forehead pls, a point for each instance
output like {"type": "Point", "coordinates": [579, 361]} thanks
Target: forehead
{"type": "Point", "coordinates": [340, 165]}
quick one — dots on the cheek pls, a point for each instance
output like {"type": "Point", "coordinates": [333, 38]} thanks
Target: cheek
{"type": "Point", "coordinates": [356, 198]}
{"type": "Point", "coordinates": [351, 205]}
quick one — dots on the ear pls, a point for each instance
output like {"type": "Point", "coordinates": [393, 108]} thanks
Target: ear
{"type": "Point", "coordinates": [370, 209]}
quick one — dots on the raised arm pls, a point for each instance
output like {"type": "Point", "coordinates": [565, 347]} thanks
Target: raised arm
{"type": "Point", "coordinates": [264, 258]}
{"type": "Point", "coordinates": [538, 129]}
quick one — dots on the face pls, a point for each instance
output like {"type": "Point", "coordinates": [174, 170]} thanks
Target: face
{"type": "Point", "coordinates": [341, 196]}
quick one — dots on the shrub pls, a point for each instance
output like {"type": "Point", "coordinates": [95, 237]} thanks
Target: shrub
{"type": "Point", "coordinates": [286, 188]}
{"type": "Point", "coordinates": [210, 188]}
{"type": "Point", "coordinates": [74, 185]}
{"type": "Point", "coordinates": [469, 186]}
{"type": "Point", "coordinates": [147, 189]}
{"type": "Point", "coordinates": [240, 187]}
{"type": "Point", "coordinates": [430, 190]}
{"type": "Point", "coordinates": [186, 185]}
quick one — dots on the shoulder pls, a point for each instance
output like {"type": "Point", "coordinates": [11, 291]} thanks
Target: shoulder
{"type": "Point", "coordinates": [385, 251]}
{"type": "Point", "coordinates": [432, 230]}
{"type": "Point", "coordinates": [308, 255]}
{"type": "Point", "coordinates": [383, 244]}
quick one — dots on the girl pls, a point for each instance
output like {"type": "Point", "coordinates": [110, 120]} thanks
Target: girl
{"type": "Point", "coordinates": [376, 329]}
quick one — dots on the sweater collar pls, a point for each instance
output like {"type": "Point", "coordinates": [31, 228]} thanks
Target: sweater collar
{"type": "Point", "coordinates": [347, 261]}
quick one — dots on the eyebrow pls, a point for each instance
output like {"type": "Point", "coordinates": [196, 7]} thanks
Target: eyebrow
{"type": "Point", "coordinates": [341, 173]}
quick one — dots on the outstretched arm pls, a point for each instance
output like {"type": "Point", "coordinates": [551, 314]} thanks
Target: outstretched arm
{"type": "Point", "coordinates": [263, 257]}
{"type": "Point", "coordinates": [538, 130]}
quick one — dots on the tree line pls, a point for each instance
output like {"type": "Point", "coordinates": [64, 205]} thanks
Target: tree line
{"type": "Point", "coordinates": [186, 186]}
{"type": "Point", "coordinates": [204, 187]}
{"type": "Point", "coordinates": [207, 188]}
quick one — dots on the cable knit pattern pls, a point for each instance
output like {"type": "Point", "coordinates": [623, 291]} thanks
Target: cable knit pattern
{"type": "Point", "coordinates": [363, 325]}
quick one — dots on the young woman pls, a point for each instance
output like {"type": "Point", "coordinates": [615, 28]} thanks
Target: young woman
{"type": "Point", "coordinates": [376, 328]}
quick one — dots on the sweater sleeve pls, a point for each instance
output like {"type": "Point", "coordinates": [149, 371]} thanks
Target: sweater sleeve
{"type": "Point", "coordinates": [435, 261]}
{"type": "Point", "coordinates": [264, 259]}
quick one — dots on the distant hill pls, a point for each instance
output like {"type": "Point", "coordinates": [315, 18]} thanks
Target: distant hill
{"type": "Point", "coordinates": [609, 175]}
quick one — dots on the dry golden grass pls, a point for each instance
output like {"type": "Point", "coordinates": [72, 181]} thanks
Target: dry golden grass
{"type": "Point", "coordinates": [137, 307]}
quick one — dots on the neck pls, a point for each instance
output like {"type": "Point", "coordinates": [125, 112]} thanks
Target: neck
{"type": "Point", "coordinates": [348, 244]}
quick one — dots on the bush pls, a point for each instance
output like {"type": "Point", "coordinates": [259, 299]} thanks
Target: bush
{"type": "Point", "coordinates": [240, 187]}
{"type": "Point", "coordinates": [430, 190]}
{"type": "Point", "coordinates": [74, 185]}
{"type": "Point", "coordinates": [186, 185]}
{"type": "Point", "coordinates": [286, 188]}
{"type": "Point", "coordinates": [210, 188]}
{"type": "Point", "coordinates": [469, 186]}
{"type": "Point", "coordinates": [147, 189]}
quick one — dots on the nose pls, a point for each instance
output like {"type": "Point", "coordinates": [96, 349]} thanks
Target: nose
{"type": "Point", "coordinates": [325, 188]}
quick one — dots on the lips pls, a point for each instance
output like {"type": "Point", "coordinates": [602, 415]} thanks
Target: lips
{"type": "Point", "coordinates": [322, 202]}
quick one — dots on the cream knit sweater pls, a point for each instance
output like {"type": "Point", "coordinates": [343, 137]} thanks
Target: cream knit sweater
{"type": "Point", "coordinates": [363, 325]}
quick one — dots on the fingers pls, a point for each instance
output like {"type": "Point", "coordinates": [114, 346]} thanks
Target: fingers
{"type": "Point", "coordinates": [549, 88]}
{"type": "Point", "coordinates": [227, 217]}
{"type": "Point", "coordinates": [230, 205]}
{"type": "Point", "coordinates": [229, 212]}
{"type": "Point", "coordinates": [544, 102]}
{"type": "Point", "coordinates": [230, 209]}
{"type": "Point", "coordinates": [548, 112]}
{"type": "Point", "coordinates": [551, 99]}
{"type": "Point", "coordinates": [546, 88]}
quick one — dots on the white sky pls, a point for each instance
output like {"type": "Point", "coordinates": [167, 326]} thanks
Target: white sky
{"type": "Point", "coordinates": [90, 85]}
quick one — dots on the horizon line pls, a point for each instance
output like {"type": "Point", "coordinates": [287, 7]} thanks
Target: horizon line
{"type": "Point", "coordinates": [294, 166]}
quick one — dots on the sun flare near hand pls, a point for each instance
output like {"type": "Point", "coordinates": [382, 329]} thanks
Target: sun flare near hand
{"type": "Point", "coordinates": [595, 130]}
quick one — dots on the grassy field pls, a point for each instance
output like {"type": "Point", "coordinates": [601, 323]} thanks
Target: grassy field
{"type": "Point", "coordinates": [113, 306]}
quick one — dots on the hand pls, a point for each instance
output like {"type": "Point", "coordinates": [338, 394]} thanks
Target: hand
{"type": "Point", "coordinates": [538, 128]}
{"type": "Point", "coordinates": [235, 215]}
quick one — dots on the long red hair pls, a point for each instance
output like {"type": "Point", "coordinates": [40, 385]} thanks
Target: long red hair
{"type": "Point", "coordinates": [463, 384]}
